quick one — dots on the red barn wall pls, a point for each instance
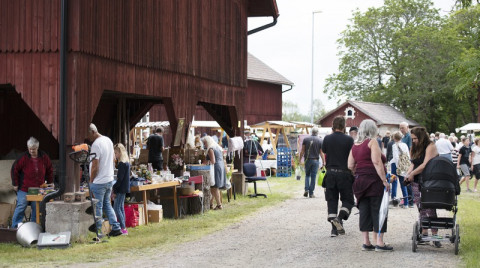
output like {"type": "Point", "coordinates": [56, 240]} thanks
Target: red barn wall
{"type": "Point", "coordinates": [185, 50]}
{"type": "Point", "coordinates": [263, 102]}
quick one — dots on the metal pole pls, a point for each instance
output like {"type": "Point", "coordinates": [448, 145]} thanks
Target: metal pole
{"type": "Point", "coordinates": [62, 155]}
{"type": "Point", "coordinates": [313, 49]}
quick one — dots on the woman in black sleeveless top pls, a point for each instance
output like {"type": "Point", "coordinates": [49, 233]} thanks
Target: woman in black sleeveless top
{"type": "Point", "coordinates": [423, 149]}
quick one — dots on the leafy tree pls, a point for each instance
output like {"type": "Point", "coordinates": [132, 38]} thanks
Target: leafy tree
{"type": "Point", "coordinates": [465, 3]}
{"type": "Point", "coordinates": [400, 54]}
{"type": "Point", "coordinates": [466, 68]}
{"type": "Point", "coordinates": [290, 111]}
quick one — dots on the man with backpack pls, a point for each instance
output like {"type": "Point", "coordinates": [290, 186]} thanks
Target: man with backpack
{"type": "Point", "coordinates": [31, 170]}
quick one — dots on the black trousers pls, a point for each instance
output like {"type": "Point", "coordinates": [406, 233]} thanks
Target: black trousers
{"type": "Point", "coordinates": [369, 208]}
{"type": "Point", "coordinates": [339, 185]}
{"type": "Point", "coordinates": [157, 164]}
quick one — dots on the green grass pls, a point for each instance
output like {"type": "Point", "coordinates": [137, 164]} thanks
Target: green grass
{"type": "Point", "coordinates": [469, 218]}
{"type": "Point", "coordinates": [160, 236]}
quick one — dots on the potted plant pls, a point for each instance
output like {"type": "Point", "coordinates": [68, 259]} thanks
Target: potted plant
{"type": "Point", "coordinates": [176, 165]}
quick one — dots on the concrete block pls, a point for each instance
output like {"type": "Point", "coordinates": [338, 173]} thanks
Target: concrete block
{"type": "Point", "coordinates": [80, 196]}
{"type": "Point", "coordinates": [69, 197]}
{"type": "Point", "coordinates": [64, 217]}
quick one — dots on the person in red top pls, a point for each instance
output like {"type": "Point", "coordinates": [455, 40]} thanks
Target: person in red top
{"type": "Point", "coordinates": [31, 170]}
{"type": "Point", "coordinates": [368, 164]}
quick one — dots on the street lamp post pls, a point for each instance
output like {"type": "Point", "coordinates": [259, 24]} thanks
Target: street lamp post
{"type": "Point", "coordinates": [313, 46]}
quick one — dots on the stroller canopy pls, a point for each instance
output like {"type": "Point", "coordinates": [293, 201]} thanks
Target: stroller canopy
{"type": "Point", "coordinates": [440, 172]}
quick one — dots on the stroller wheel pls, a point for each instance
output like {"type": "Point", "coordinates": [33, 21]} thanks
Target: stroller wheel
{"type": "Point", "coordinates": [415, 238]}
{"type": "Point", "coordinates": [457, 238]}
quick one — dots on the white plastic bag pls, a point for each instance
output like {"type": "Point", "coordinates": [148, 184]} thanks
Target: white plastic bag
{"type": "Point", "coordinates": [298, 173]}
{"type": "Point", "coordinates": [212, 175]}
{"type": "Point", "coordinates": [383, 213]}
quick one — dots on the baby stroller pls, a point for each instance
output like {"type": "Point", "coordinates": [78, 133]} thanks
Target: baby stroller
{"type": "Point", "coordinates": [439, 190]}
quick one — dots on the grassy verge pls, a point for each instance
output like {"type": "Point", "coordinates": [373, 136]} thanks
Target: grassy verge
{"type": "Point", "coordinates": [468, 218]}
{"type": "Point", "coordinates": [159, 236]}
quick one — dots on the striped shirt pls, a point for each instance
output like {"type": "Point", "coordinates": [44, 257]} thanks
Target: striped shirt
{"type": "Point", "coordinates": [455, 156]}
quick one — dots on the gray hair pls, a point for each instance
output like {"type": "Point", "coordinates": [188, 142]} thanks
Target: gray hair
{"type": "Point", "coordinates": [92, 128]}
{"type": "Point", "coordinates": [315, 131]}
{"type": "Point", "coordinates": [442, 136]}
{"type": "Point", "coordinates": [33, 143]}
{"type": "Point", "coordinates": [404, 124]}
{"type": "Point", "coordinates": [367, 130]}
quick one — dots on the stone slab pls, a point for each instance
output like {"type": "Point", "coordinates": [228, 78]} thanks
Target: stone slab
{"type": "Point", "coordinates": [63, 217]}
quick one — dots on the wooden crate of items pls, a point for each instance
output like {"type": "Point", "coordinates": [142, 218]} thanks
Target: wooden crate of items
{"type": "Point", "coordinates": [155, 215]}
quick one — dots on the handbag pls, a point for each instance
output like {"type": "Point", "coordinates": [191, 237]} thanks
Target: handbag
{"type": "Point", "coordinates": [321, 176]}
{"type": "Point", "coordinates": [403, 162]}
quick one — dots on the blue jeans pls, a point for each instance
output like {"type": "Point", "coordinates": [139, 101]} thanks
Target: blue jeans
{"type": "Point", "coordinates": [19, 213]}
{"type": "Point", "coordinates": [403, 188]}
{"type": "Point", "coordinates": [311, 169]}
{"type": "Point", "coordinates": [118, 206]}
{"type": "Point", "coordinates": [102, 193]}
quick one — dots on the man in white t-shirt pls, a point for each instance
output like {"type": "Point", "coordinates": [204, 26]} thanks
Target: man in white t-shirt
{"type": "Point", "coordinates": [444, 147]}
{"type": "Point", "coordinates": [101, 178]}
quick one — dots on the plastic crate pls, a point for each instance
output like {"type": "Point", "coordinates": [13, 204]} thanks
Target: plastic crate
{"type": "Point", "coordinates": [284, 162]}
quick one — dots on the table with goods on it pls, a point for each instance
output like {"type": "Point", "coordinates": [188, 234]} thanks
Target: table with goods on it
{"type": "Point", "coordinates": [36, 194]}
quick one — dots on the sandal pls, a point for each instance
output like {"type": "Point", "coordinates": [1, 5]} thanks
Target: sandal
{"type": "Point", "coordinates": [218, 207]}
{"type": "Point", "coordinates": [211, 206]}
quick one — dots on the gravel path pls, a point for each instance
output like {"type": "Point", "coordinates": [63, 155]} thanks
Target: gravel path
{"type": "Point", "coordinates": [295, 233]}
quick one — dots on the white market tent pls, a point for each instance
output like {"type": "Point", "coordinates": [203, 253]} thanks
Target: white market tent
{"type": "Point", "coordinates": [470, 127]}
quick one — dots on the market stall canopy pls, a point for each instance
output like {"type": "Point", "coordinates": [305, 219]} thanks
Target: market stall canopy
{"type": "Point", "coordinates": [209, 124]}
{"type": "Point", "coordinates": [469, 127]}
{"type": "Point", "coordinates": [153, 124]}
{"type": "Point", "coordinates": [274, 127]}
{"type": "Point", "coordinates": [303, 126]}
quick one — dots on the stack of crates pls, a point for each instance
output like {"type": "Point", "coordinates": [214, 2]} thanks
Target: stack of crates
{"type": "Point", "coordinates": [284, 162]}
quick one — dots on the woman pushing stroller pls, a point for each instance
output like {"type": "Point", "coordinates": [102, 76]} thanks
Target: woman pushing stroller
{"type": "Point", "coordinates": [423, 149]}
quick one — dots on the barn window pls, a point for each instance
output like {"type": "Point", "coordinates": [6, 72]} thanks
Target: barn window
{"type": "Point", "coordinates": [350, 113]}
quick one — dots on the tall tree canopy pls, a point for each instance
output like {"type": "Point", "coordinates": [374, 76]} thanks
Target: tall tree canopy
{"type": "Point", "coordinates": [401, 54]}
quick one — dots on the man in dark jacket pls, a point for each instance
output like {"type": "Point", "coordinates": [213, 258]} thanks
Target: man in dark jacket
{"type": "Point", "coordinates": [155, 149]}
{"type": "Point", "coordinates": [36, 168]}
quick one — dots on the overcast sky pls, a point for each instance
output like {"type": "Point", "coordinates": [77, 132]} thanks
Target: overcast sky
{"type": "Point", "coordinates": [287, 46]}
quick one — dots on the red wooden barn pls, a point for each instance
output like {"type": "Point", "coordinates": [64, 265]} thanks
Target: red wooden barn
{"type": "Point", "coordinates": [123, 58]}
{"type": "Point", "coordinates": [263, 98]}
{"type": "Point", "coordinates": [386, 117]}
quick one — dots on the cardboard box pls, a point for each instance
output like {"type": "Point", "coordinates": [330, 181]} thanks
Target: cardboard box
{"type": "Point", "coordinates": [141, 215]}
{"type": "Point", "coordinates": [6, 212]}
{"type": "Point", "coordinates": [155, 215]}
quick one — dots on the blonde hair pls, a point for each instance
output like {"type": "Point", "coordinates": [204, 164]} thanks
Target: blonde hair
{"type": "Point", "coordinates": [211, 143]}
{"type": "Point", "coordinates": [397, 135]}
{"type": "Point", "coordinates": [123, 153]}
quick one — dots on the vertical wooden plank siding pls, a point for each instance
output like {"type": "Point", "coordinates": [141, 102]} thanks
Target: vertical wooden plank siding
{"type": "Point", "coordinates": [184, 50]}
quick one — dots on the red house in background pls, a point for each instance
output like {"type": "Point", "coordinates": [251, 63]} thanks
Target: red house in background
{"type": "Point", "coordinates": [386, 117]}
